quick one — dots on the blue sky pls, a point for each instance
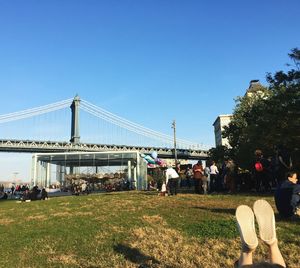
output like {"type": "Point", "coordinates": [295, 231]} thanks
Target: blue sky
{"type": "Point", "coordinates": [148, 61]}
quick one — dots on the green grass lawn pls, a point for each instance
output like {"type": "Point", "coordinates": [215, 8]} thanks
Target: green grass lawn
{"type": "Point", "coordinates": [131, 229]}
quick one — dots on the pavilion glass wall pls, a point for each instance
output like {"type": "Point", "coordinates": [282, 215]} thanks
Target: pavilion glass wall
{"type": "Point", "coordinates": [50, 168]}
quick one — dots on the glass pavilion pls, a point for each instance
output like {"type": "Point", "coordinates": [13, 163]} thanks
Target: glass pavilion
{"type": "Point", "coordinates": [48, 168]}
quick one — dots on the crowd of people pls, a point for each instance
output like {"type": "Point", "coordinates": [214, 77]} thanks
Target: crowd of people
{"type": "Point", "coordinates": [23, 193]}
{"type": "Point", "coordinates": [79, 187]}
{"type": "Point", "coordinates": [265, 175]}
{"type": "Point", "coordinates": [273, 175]}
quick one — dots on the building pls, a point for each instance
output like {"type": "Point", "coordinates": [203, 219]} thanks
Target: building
{"type": "Point", "coordinates": [255, 89]}
{"type": "Point", "coordinates": [219, 124]}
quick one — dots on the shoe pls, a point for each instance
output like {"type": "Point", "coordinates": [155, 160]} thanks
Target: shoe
{"type": "Point", "coordinates": [266, 221]}
{"type": "Point", "coordinates": [297, 211]}
{"type": "Point", "coordinates": [245, 222]}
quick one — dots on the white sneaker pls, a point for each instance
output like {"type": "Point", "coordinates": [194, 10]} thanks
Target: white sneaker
{"type": "Point", "coordinates": [266, 221]}
{"type": "Point", "coordinates": [245, 222]}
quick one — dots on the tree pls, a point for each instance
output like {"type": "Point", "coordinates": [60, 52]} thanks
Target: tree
{"type": "Point", "coordinates": [219, 153]}
{"type": "Point", "coordinates": [268, 119]}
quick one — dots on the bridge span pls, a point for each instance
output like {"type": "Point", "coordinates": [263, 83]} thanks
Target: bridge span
{"type": "Point", "coordinates": [33, 146]}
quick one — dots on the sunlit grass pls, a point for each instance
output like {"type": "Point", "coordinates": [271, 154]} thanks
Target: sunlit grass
{"type": "Point", "coordinates": [130, 229]}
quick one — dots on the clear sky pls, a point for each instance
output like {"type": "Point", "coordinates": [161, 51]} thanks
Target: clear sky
{"type": "Point", "coordinates": [148, 61]}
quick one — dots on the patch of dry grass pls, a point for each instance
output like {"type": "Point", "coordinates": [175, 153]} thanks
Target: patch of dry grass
{"type": "Point", "coordinates": [162, 246]}
{"type": "Point", "coordinates": [36, 218]}
{"type": "Point", "coordinates": [6, 221]}
{"type": "Point", "coordinates": [62, 214]}
{"type": "Point", "coordinates": [63, 259]}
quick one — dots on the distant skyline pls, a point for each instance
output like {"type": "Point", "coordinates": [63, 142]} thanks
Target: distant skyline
{"type": "Point", "coordinates": [148, 61]}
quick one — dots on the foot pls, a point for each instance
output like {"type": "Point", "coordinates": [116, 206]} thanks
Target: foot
{"type": "Point", "coordinates": [266, 221]}
{"type": "Point", "coordinates": [245, 222]}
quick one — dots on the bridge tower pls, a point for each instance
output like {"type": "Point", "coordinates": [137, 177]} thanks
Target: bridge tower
{"type": "Point", "coordinates": [75, 137]}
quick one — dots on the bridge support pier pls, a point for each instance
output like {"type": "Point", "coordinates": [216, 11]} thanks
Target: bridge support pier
{"type": "Point", "coordinates": [75, 137]}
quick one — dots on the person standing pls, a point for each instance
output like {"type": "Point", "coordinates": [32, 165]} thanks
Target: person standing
{"type": "Point", "coordinates": [207, 178]}
{"type": "Point", "coordinates": [230, 177]}
{"type": "Point", "coordinates": [12, 188]}
{"type": "Point", "coordinates": [261, 172]}
{"type": "Point", "coordinates": [198, 174]}
{"type": "Point", "coordinates": [189, 176]}
{"type": "Point", "coordinates": [284, 163]}
{"type": "Point", "coordinates": [180, 173]}
{"type": "Point", "coordinates": [214, 172]}
{"type": "Point", "coordinates": [172, 180]}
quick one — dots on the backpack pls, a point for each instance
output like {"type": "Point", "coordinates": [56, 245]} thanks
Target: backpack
{"type": "Point", "coordinates": [258, 166]}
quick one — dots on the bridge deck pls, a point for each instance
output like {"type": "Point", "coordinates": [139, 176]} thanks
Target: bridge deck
{"type": "Point", "coordinates": [30, 146]}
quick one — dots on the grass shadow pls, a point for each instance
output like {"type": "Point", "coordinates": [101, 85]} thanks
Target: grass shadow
{"type": "Point", "coordinates": [292, 220]}
{"type": "Point", "coordinates": [136, 256]}
{"type": "Point", "coordinates": [230, 211]}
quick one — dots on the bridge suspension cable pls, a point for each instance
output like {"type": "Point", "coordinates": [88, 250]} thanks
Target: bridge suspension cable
{"type": "Point", "coordinates": [35, 111]}
{"type": "Point", "coordinates": [131, 126]}
{"type": "Point", "coordinates": [102, 114]}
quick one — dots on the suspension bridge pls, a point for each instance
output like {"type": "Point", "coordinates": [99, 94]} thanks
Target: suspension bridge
{"type": "Point", "coordinates": [31, 131]}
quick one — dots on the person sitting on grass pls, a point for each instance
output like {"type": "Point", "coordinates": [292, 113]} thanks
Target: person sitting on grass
{"type": "Point", "coordinates": [163, 191]}
{"type": "Point", "coordinates": [26, 196]}
{"type": "Point", "coordinates": [44, 194]}
{"type": "Point", "coordinates": [266, 222]}
{"type": "Point", "coordinates": [287, 196]}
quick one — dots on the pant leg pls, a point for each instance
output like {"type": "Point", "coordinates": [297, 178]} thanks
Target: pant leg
{"type": "Point", "coordinates": [204, 185]}
{"type": "Point", "coordinates": [197, 184]}
{"type": "Point", "coordinates": [213, 182]}
{"type": "Point", "coordinates": [232, 184]}
{"type": "Point", "coordinates": [175, 186]}
{"type": "Point", "coordinates": [208, 183]}
{"type": "Point", "coordinates": [171, 186]}
{"type": "Point", "coordinates": [211, 186]}
{"type": "Point", "coordinates": [188, 182]}
{"type": "Point", "coordinates": [258, 178]}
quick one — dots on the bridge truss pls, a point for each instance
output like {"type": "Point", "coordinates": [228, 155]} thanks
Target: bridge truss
{"type": "Point", "coordinates": [27, 146]}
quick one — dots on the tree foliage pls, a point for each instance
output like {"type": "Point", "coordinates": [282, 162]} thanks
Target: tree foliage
{"type": "Point", "coordinates": [219, 153]}
{"type": "Point", "coordinates": [270, 118]}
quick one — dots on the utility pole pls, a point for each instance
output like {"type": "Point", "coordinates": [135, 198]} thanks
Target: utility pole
{"type": "Point", "coordinates": [175, 149]}
{"type": "Point", "coordinates": [15, 176]}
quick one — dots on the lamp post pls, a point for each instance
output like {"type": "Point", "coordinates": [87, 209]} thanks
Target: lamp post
{"type": "Point", "coordinates": [15, 176]}
{"type": "Point", "coordinates": [175, 149]}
